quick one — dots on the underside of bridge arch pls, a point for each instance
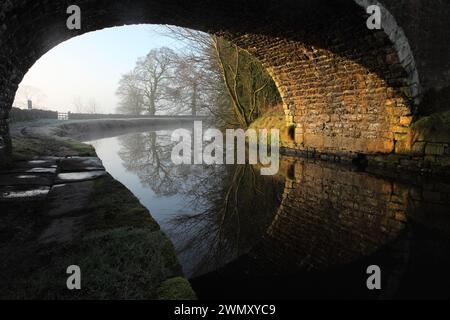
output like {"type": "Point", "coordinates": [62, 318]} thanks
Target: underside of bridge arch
{"type": "Point", "coordinates": [345, 88]}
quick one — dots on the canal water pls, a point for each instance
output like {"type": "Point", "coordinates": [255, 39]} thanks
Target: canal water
{"type": "Point", "coordinates": [311, 231]}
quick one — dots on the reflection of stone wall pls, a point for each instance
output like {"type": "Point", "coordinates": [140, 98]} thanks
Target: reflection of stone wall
{"type": "Point", "coordinates": [429, 205]}
{"type": "Point", "coordinates": [333, 216]}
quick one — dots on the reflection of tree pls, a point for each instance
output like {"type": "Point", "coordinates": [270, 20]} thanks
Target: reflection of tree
{"type": "Point", "coordinates": [233, 207]}
{"type": "Point", "coordinates": [227, 208]}
{"type": "Point", "coordinates": [149, 155]}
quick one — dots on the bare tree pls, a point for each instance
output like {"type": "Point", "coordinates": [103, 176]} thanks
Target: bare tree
{"type": "Point", "coordinates": [186, 91]}
{"type": "Point", "coordinates": [93, 107]}
{"type": "Point", "coordinates": [229, 69]}
{"type": "Point", "coordinates": [199, 51]}
{"type": "Point", "coordinates": [130, 94]}
{"type": "Point", "coordinates": [248, 84]}
{"type": "Point", "coordinates": [154, 72]}
{"type": "Point", "coordinates": [78, 105]}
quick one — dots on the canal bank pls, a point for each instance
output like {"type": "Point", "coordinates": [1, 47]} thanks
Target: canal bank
{"type": "Point", "coordinates": [333, 221]}
{"type": "Point", "coordinates": [61, 208]}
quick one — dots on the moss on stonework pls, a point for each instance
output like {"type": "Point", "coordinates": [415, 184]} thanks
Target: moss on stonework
{"type": "Point", "coordinates": [275, 118]}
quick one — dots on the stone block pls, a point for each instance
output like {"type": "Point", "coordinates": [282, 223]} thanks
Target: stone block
{"type": "Point", "coordinates": [418, 148]}
{"type": "Point", "coordinates": [405, 121]}
{"type": "Point", "coordinates": [403, 146]}
{"type": "Point", "coordinates": [435, 149]}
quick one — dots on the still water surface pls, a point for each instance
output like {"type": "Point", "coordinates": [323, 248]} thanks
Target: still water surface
{"type": "Point", "coordinates": [310, 231]}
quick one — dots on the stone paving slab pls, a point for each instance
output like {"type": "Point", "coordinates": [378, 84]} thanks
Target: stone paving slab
{"type": "Point", "coordinates": [28, 179]}
{"type": "Point", "coordinates": [75, 164]}
{"type": "Point", "coordinates": [67, 199]}
{"type": "Point", "coordinates": [49, 158]}
{"type": "Point", "coordinates": [35, 166]}
{"type": "Point", "coordinates": [24, 170]}
{"type": "Point", "coordinates": [42, 163]}
{"type": "Point", "coordinates": [34, 179]}
{"type": "Point", "coordinates": [70, 177]}
{"type": "Point", "coordinates": [42, 170]}
{"type": "Point", "coordinates": [62, 230]}
{"type": "Point", "coordinates": [30, 193]}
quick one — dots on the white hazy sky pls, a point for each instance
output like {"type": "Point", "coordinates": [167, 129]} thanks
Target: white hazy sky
{"type": "Point", "coordinates": [89, 67]}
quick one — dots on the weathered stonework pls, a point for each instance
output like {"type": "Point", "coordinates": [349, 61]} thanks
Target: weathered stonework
{"type": "Point", "coordinates": [347, 89]}
{"type": "Point", "coordinates": [401, 44]}
{"type": "Point", "coordinates": [5, 141]}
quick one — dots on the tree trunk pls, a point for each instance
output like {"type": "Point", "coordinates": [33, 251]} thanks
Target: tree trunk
{"type": "Point", "coordinates": [194, 99]}
{"type": "Point", "coordinates": [152, 106]}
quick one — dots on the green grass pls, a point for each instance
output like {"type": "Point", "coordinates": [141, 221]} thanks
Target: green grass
{"type": "Point", "coordinates": [27, 148]}
{"type": "Point", "coordinates": [83, 149]}
{"type": "Point", "coordinates": [124, 263]}
{"type": "Point", "coordinates": [120, 248]}
{"type": "Point", "coordinates": [116, 207]}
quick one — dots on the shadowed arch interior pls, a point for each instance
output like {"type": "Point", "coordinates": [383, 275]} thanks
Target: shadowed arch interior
{"type": "Point", "coordinates": [343, 86]}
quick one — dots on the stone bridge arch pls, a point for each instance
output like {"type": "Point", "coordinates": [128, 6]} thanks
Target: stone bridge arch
{"type": "Point", "coordinates": [345, 88]}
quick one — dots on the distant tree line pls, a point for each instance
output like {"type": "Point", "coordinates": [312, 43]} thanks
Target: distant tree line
{"type": "Point", "coordinates": [210, 75]}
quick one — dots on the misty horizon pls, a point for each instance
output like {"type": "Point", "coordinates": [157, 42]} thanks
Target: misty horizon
{"type": "Point", "coordinates": [87, 69]}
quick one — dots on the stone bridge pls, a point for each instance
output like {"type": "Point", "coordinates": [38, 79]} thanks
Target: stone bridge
{"type": "Point", "coordinates": [345, 88]}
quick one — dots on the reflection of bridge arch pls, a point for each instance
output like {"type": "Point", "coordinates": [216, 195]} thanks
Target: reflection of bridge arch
{"type": "Point", "coordinates": [346, 88]}
{"type": "Point", "coordinates": [332, 216]}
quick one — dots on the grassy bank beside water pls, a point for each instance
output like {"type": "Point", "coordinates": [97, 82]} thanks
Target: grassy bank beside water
{"type": "Point", "coordinates": [103, 228]}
